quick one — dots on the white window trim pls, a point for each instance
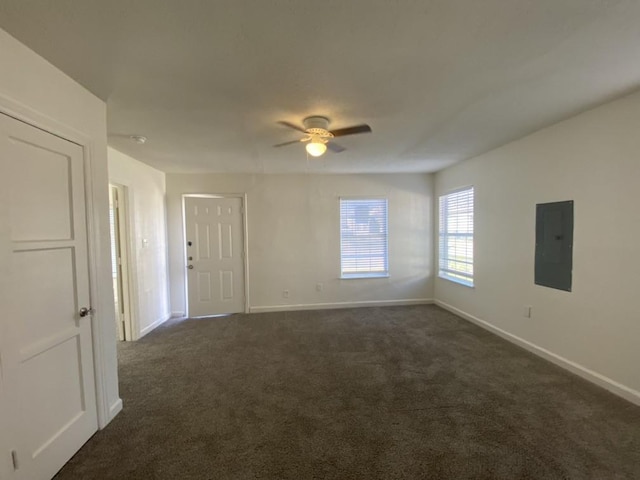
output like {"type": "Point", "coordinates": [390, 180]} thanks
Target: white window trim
{"type": "Point", "coordinates": [442, 274]}
{"type": "Point", "coordinates": [364, 275]}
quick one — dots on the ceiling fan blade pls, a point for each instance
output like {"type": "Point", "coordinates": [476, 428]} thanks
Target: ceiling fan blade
{"type": "Point", "coordinates": [335, 148]}
{"type": "Point", "coordinates": [341, 132]}
{"type": "Point", "coordinates": [291, 125]}
{"type": "Point", "coordinates": [287, 143]}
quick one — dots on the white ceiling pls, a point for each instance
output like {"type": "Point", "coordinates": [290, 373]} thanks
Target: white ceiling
{"type": "Point", "coordinates": [438, 80]}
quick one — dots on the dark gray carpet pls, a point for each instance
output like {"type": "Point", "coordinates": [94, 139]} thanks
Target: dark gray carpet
{"type": "Point", "coordinates": [370, 393]}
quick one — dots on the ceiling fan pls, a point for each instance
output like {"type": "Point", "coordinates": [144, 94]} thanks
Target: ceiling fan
{"type": "Point", "coordinates": [318, 137]}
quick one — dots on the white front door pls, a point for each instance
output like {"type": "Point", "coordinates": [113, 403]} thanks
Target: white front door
{"type": "Point", "coordinates": [215, 255]}
{"type": "Point", "coordinates": [47, 357]}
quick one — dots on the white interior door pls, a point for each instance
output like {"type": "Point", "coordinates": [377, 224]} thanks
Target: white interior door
{"type": "Point", "coordinates": [119, 262]}
{"type": "Point", "coordinates": [215, 255]}
{"type": "Point", "coordinates": [46, 347]}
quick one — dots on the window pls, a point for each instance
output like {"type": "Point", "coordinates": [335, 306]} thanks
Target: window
{"type": "Point", "coordinates": [456, 236]}
{"type": "Point", "coordinates": [363, 238]}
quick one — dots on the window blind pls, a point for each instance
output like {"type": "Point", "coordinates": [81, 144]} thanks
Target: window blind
{"type": "Point", "coordinates": [456, 236]}
{"type": "Point", "coordinates": [363, 237]}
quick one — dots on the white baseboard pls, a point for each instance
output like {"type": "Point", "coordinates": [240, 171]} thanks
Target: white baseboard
{"type": "Point", "coordinates": [154, 325]}
{"type": "Point", "coordinates": [115, 409]}
{"type": "Point", "coordinates": [178, 314]}
{"type": "Point", "coordinates": [326, 306]}
{"type": "Point", "coordinates": [605, 382]}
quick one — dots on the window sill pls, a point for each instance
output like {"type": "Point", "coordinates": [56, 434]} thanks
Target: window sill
{"type": "Point", "coordinates": [352, 276]}
{"type": "Point", "coordinates": [464, 283]}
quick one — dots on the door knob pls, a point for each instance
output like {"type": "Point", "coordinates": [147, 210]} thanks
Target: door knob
{"type": "Point", "coordinates": [190, 267]}
{"type": "Point", "coordinates": [84, 311]}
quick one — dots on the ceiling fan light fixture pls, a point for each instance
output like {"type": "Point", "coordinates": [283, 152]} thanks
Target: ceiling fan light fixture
{"type": "Point", "coordinates": [318, 137]}
{"type": "Point", "coordinates": [316, 147]}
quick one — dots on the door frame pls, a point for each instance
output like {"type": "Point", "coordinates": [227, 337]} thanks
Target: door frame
{"type": "Point", "coordinates": [125, 265]}
{"type": "Point", "coordinates": [89, 145]}
{"type": "Point", "coordinates": [245, 242]}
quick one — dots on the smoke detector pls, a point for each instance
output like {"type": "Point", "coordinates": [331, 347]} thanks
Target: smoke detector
{"type": "Point", "coordinates": [139, 139]}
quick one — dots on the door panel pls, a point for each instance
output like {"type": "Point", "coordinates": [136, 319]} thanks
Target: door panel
{"type": "Point", "coordinates": [49, 272]}
{"type": "Point", "coordinates": [204, 287]}
{"type": "Point", "coordinates": [39, 186]}
{"type": "Point", "coordinates": [62, 391]}
{"type": "Point", "coordinates": [225, 240]}
{"type": "Point", "coordinates": [49, 358]}
{"type": "Point", "coordinates": [226, 284]}
{"type": "Point", "coordinates": [214, 227]}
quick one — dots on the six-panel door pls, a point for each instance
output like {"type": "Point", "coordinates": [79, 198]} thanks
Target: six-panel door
{"type": "Point", "coordinates": [215, 249]}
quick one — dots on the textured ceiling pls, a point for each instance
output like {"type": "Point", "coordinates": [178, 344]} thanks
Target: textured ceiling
{"type": "Point", "coordinates": [438, 80]}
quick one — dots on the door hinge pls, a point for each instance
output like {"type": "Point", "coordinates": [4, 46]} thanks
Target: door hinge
{"type": "Point", "coordinates": [14, 459]}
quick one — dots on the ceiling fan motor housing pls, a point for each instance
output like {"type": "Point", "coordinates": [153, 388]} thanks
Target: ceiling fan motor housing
{"type": "Point", "coordinates": [318, 129]}
{"type": "Point", "coordinates": [316, 123]}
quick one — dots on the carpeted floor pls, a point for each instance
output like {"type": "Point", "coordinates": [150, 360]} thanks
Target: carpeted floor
{"type": "Point", "coordinates": [369, 393]}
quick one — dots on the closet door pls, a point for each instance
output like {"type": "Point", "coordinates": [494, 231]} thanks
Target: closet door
{"type": "Point", "coordinates": [47, 358]}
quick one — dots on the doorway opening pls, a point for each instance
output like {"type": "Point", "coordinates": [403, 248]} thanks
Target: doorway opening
{"type": "Point", "coordinates": [120, 260]}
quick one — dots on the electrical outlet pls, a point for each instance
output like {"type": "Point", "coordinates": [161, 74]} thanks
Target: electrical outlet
{"type": "Point", "coordinates": [526, 311]}
{"type": "Point", "coordinates": [318, 287]}
{"type": "Point", "coordinates": [285, 294]}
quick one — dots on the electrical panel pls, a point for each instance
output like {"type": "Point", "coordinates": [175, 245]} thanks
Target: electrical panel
{"type": "Point", "coordinates": [554, 245]}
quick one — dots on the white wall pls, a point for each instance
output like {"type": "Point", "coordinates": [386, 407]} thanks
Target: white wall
{"type": "Point", "coordinates": [148, 240]}
{"type": "Point", "coordinates": [593, 159]}
{"type": "Point", "coordinates": [33, 90]}
{"type": "Point", "coordinates": [294, 238]}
